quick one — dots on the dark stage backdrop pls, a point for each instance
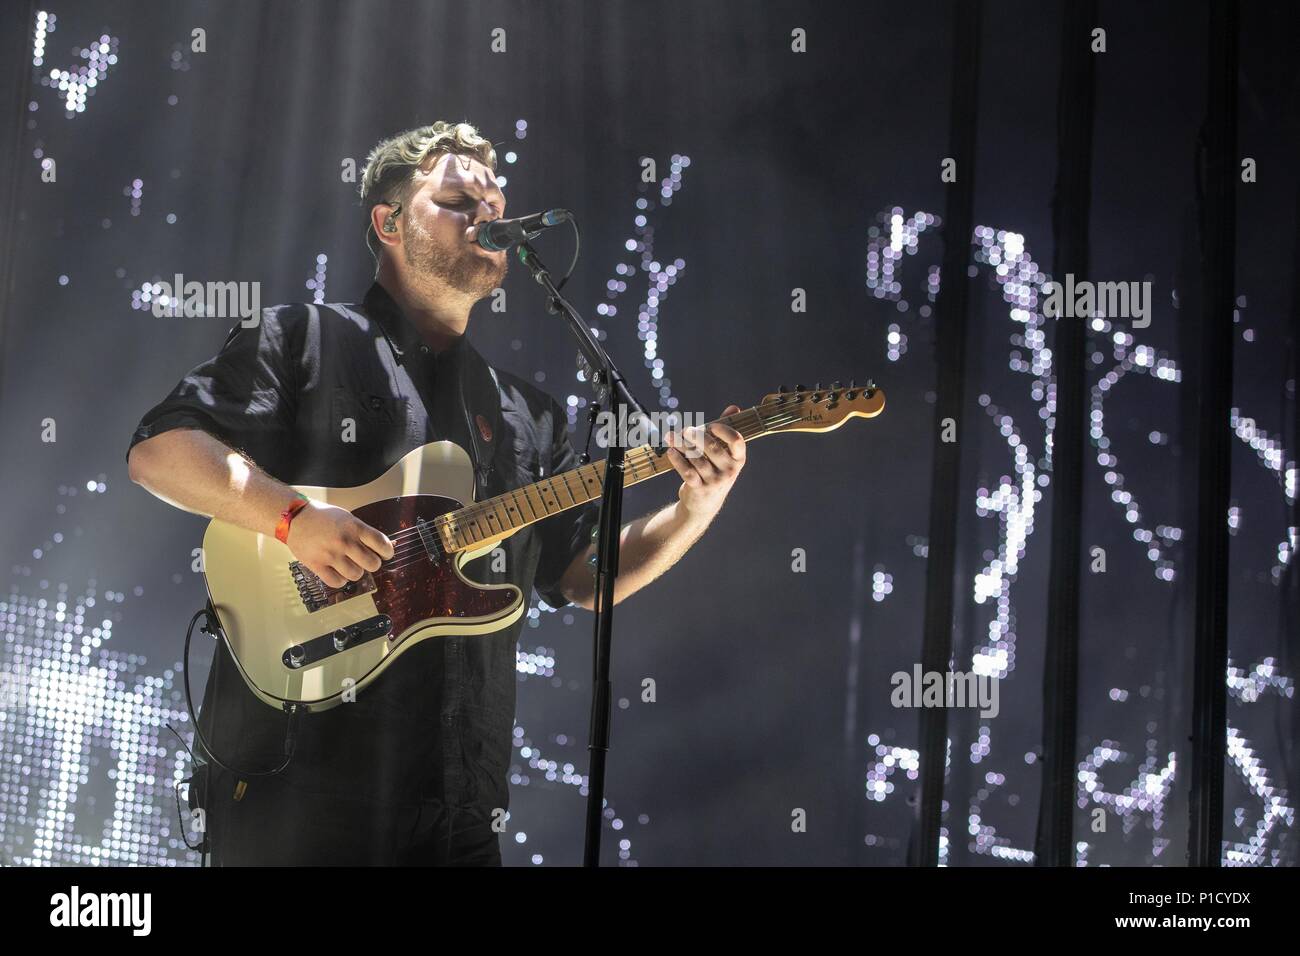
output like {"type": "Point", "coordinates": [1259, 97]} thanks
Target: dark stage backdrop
{"type": "Point", "coordinates": [772, 645]}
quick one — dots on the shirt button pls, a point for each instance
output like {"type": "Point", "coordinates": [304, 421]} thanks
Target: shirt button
{"type": "Point", "coordinates": [376, 402]}
{"type": "Point", "coordinates": [424, 350]}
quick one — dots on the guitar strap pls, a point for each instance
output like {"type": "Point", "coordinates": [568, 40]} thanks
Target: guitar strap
{"type": "Point", "coordinates": [481, 401]}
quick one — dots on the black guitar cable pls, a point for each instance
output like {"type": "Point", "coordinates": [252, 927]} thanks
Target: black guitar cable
{"type": "Point", "coordinates": [291, 730]}
{"type": "Point", "coordinates": [212, 626]}
{"type": "Point", "coordinates": [176, 792]}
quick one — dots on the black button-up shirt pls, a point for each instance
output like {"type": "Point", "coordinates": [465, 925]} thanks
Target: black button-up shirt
{"type": "Point", "coordinates": [438, 724]}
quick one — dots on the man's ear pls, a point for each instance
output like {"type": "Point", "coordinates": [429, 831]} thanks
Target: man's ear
{"type": "Point", "coordinates": [383, 220]}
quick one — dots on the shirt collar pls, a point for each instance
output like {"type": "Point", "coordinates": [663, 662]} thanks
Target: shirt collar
{"type": "Point", "coordinates": [401, 334]}
{"type": "Point", "coordinates": [481, 396]}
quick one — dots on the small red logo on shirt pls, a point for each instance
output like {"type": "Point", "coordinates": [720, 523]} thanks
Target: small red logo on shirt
{"type": "Point", "coordinates": [484, 428]}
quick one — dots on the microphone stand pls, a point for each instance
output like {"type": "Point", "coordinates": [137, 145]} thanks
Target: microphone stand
{"type": "Point", "coordinates": [606, 376]}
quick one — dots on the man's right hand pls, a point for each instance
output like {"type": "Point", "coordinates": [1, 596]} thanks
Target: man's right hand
{"type": "Point", "coordinates": [191, 469]}
{"type": "Point", "coordinates": [335, 544]}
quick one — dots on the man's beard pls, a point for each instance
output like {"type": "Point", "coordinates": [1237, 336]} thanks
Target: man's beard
{"type": "Point", "coordinates": [461, 268]}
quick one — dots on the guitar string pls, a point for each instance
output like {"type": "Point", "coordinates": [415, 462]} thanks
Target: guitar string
{"type": "Point", "coordinates": [780, 418]}
{"type": "Point", "coordinates": [412, 555]}
{"type": "Point", "coordinates": [637, 459]}
{"type": "Point", "coordinates": [407, 556]}
{"type": "Point", "coordinates": [483, 508]}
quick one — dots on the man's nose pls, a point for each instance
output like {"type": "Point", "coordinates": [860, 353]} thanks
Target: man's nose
{"type": "Point", "coordinates": [484, 212]}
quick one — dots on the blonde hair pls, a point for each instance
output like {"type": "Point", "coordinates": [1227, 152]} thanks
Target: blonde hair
{"type": "Point", "coordinates": [390, 168]}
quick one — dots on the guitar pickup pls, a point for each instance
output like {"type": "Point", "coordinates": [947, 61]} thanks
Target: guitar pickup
{"type": "Point", "coordinates": [428, 538]}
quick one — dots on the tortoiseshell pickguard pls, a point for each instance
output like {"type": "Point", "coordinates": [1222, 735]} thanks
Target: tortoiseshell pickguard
{"type": "Point", "coordinates": [414, 587]}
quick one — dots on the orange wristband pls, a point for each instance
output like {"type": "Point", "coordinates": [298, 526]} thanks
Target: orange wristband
{"type": "Point", "coordinates": [286, 517]}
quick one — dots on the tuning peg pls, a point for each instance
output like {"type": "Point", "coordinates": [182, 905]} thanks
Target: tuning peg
{"type": "Point", "coordinates": [798, 388]}
{"type": "Point", "coordinates": [835, 384]}
{"type": "Point", "coordinates": [817, 387]}
{"type": "Point", "coordinates": [782, 389]}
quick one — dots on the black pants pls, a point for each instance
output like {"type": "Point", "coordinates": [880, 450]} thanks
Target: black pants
{"type": "Point", "coordinates": [272, 823]}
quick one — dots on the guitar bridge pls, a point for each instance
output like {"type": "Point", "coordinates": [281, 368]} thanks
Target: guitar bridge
{"type": "Point", "coordinates": [316, 594]}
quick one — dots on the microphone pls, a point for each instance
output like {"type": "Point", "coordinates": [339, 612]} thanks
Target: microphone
{"type": "Point", "coordinates": [502, 234]}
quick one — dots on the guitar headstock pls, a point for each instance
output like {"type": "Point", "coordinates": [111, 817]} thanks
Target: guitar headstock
{"type": "Point", "coordinates": [819, 409]}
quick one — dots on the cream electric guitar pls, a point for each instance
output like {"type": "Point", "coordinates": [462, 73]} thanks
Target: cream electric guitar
{"type": "Point", "coordinates": [298, 642]}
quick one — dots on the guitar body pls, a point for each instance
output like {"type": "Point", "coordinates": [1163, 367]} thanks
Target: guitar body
{"type": "Point", "coordinates": [298, 643]}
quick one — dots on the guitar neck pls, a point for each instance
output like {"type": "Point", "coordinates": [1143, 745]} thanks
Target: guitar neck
{"type": "Point", "coordinates": [484, 522]}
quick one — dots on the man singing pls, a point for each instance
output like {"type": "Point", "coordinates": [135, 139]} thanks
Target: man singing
{"type": "Point", "coordinates": [414, 770]}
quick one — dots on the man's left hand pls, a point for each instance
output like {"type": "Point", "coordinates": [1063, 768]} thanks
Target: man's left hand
{"type": "Point", "coordinates": [708, 460]}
